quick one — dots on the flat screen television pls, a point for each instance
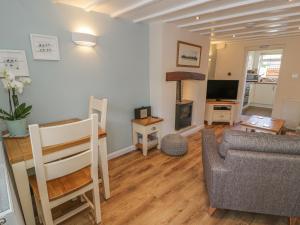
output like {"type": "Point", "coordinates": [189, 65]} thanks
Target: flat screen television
{"type": "Point", "coordinates": [222, 89]}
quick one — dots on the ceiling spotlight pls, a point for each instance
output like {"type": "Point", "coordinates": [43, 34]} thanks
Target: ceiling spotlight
{"type": "Point", "coordinates": [291, 0]}
{"type": "Point", "coordinates": [212, 34]}
{"type": "Point", "coordinates": [233, 35]}
{"type": "Point", "coordinates": [197, 17]}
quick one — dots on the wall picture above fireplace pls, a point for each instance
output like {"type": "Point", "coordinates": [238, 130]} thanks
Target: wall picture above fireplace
{"type": "Point", "coordinates": [188, 55]}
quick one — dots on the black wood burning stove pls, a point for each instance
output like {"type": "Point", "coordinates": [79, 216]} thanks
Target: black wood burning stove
{"type": "Point", "coordinates": [184, 109]}
{"type": "Point", "coordinates": [183, 116]}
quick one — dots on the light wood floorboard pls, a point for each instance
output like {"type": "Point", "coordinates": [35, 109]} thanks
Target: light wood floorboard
{"type": "Point", "coordinates": [163, 190]}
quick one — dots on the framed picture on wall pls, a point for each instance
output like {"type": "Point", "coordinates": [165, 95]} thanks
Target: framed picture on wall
{"type": "Point", "coordinates": [44, 47]}
{"type": "Point", "coordinates": [188, 55]}
{"type": "Point", "coordinates": [14, 61]}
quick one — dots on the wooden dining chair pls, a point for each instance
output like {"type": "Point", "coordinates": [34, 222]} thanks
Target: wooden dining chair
{"type": "Point", "coordinates": [99, 106]}
{"type": "Point", "coordinates": [65, 174]}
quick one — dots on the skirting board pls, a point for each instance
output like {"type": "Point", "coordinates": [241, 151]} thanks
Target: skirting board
{"type": "Point", "coordinates": [192, 130]}
{"type": "Point", "coordinates": [121, 152]}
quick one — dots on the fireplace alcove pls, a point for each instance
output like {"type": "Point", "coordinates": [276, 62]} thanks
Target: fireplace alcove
{"type": "Point", "coordinates": [184, 107]}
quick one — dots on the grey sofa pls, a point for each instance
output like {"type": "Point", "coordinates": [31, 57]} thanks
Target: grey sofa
{"type": "Point", "coordinates": [253, 172]}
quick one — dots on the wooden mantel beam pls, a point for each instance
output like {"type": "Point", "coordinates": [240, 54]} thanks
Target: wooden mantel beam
{"type": "Point", "coordinates": [181, 75]}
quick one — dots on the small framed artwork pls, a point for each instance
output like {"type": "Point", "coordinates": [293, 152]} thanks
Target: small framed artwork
{"type": "Point", "coordinates": [188, 55]}
{"type": "Point", "coordinates": [14, 61]}
{"type": "Point", "coordinates": [44, 47]}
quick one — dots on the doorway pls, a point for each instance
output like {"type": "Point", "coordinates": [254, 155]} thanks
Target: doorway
{"type": "Point", "coordinates": [262, 74]}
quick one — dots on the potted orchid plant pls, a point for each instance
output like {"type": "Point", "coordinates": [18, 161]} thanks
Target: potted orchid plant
{"type": "Point", "coordinates": [15, 117]}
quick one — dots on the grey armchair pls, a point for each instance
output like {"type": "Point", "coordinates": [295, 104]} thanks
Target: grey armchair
{"type": "Point", "coordinates": [253, 172]}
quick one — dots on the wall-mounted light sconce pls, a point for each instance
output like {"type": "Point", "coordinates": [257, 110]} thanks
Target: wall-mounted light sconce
{"type": "Point", "coordinates": [84, 39]}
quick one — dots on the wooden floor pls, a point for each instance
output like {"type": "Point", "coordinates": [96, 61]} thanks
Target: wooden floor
{"type": "Point", "coordinates": [161, 190]}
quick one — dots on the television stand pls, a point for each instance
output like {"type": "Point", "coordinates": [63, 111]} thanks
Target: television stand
{"type": "Point", "coordinates": [221, 111]}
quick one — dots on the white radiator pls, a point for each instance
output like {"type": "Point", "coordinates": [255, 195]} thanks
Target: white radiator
{"type": "Point", "coordinates": [291, 113]}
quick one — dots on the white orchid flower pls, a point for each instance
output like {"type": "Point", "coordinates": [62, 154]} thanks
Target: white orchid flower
{"type": "Point", "coordinates": [25, 80]}
{"type": "Point", "coordinates": [20, 90]}
{"type": "Point", "coordinates": [12, 84]}
{"type": "Point", "coordinates": [14, 87]}
{"type": "Point", "coordinates": [11, 76]}
{"type": "Point", "coordinates": [19, 86]}
{"type": "Point", "coordinates": [5, 73]}
{"type": "Point", "coordinates": [10, 81]}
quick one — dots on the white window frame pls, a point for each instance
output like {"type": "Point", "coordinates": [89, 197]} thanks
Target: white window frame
{"type": "Point", "coordinates": [261, 60]}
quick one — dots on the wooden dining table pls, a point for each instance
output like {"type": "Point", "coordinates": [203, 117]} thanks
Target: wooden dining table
{"type": "Point", "coordinates": [19, 153]}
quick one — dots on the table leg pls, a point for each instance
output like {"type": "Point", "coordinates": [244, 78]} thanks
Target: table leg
{"type": "Point", "coordinates": [22, 183]}
{"type": "Point", "coordinates": [134, 137]}
{"type": "Point", "coordinates": [103, 162]}
{"type": "Point", "coordinates": [145, 144]}
{"type": "Point", "coordinates": [158, 139]}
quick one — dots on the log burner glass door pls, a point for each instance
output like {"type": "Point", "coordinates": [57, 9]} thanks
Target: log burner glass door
{"type": "Point", "coordinates": [183, 114]}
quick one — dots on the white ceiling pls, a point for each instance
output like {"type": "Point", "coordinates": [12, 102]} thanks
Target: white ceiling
{"type": "Point", "coordinates": [220, 19]}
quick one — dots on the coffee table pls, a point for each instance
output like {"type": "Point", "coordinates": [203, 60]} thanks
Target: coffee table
{"type": "Point", "coordinates": [263, 124]}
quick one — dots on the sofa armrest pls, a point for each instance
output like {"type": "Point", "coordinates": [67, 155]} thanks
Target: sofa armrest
{"type": "Point", "coordinates": [213, 165]}
{"type": "Point", "coordinates": [210, 149]}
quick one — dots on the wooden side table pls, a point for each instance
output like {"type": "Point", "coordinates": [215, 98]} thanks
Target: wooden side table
{"type": "Point", "coordinates": [144, 128]}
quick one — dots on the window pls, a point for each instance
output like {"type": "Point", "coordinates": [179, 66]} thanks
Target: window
{"type": "Point", "coordinates": [269, 65]}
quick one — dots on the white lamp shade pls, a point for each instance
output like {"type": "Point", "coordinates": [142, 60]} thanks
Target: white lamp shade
{"type": "Point", "coordinates": [84, 39]}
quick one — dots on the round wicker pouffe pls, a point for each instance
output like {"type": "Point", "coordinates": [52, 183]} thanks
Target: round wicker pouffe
{"type": "Point", "coordinates": [174, 145]}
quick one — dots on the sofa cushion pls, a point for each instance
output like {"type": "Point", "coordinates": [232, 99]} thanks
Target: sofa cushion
{"type": "Point", "coordinates": [259, 142]}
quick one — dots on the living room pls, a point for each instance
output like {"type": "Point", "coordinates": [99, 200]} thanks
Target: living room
{"type": "Point", "coordinates": [132, 112]}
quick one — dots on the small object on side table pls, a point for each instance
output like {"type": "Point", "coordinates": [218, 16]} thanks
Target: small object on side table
{"type": "Point", "coordinates": [147, 130]}
{"type": "Point", "coordinates": [142, 112]}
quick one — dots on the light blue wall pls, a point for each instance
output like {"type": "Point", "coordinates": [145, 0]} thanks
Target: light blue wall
{"type": "Point", "coordinates": [116, 68]}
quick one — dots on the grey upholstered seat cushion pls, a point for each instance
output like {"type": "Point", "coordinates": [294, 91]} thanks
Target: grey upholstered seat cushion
{"type": "Point", "coordinates": [174, 145]}
{"type": "Point", "coordinates": [259, 142]}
